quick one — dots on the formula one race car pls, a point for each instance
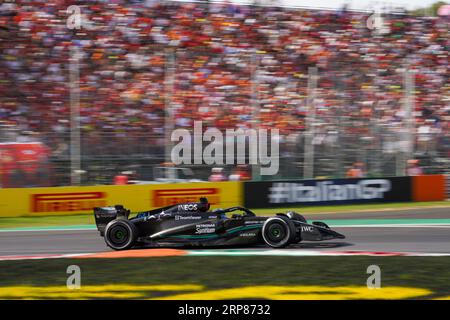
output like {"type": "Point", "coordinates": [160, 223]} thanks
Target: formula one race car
{"type": "Point", "coordinates": [193, 224]}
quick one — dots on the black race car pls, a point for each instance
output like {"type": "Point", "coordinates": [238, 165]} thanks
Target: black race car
{"type": "Point", "coordinates": [193, 224]}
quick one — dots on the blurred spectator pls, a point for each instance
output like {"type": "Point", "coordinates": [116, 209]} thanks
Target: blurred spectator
{"type": "Point", "coordinates": [217, 47]}
{"type": "Point", "coordinates": [121, 179]}
{"type": "Point", "coordinates": [217, 175]}
{"type": "Point", "coordinates": [356, 171]}
{"type": "Point", "coordinates": [126, 177]}
{"type": "Point", "coordinates": [413, 168]}
{"type": "Point", "coordinates": [240, 173]}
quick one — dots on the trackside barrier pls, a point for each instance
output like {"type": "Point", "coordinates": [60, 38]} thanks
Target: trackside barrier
{"type": "Point", "coordinates": [429, 188]}
{"type": "Point", "coordinates": [326, 192]}
{"type": "Point", "coordinates": [75, 200]}
{"type": "Point", "coordinates": [16, 202]}
{"type": "Point", "coordinates": [290, 193]}
{"type": "Point", "coordinates": [447, 186]}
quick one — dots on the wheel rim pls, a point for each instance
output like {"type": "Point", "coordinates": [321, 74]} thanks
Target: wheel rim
{"type": "Point", "coordinates": [276, 232]}
{"type": "Point", "coordinates": [119, 235]}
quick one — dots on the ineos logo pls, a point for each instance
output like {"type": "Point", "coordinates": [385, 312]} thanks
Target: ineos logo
{"type": "Point", "coordinates": [187, 207]}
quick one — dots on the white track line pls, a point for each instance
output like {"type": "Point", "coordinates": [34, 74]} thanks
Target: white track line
{"type": "Point", "coordinates": [271, 252]}
{"type": "Point", "coordinates": [41, 256]}
{"type": "Point", "coordinates": [312, 253]}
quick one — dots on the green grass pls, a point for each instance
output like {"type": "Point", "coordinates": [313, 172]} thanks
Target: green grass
{"type": "Point", "coordinates": [358, 207]}
{"type": "Point", "coordinates": [84, 219]}
{"type": "Point", "coordinates": [47, 221]}
{"type": "Point", "coordinates": [214, 273]}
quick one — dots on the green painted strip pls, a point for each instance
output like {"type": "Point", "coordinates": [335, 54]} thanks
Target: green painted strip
{"type": "Point", "coordinates": [336, 222]}
{"type": "Point", "coordinates": [347, 222]}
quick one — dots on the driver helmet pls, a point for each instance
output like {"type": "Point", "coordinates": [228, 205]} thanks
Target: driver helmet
{"type": "Point", "coordinates": [204, 204]}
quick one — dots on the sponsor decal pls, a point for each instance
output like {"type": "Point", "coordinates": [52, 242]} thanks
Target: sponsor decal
{"type": "Point", "coordinates": [291, 192]}
{"type": "Point", "coordinates": [167, 197]}
{"type": "Point", "coordinates": [205, 228]}
{"type": "Point", "coordinates": [103, 291]}
{"type": "Point", "coordinates": [178, 217]}
{"type": "Point", "coordinates": [262, 194]}
{"type": "Point", "coordinates": [188, 207]}
{"type": "Point", "coordinates": [307, 228]}
{"type": "Point", "coordinates": [253, 222]}
{"type": "Point", "coordinates": [179, 291]}
{"type": "Point", "coordinates": [247, 234]}
{"type": "Point", "coordinates": [302, 292]}
{"type": "Point", "coordinates": [64, 202]}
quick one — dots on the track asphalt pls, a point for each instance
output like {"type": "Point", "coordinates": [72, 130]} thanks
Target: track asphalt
{"type": "Point", "coordinates": [425, 230]}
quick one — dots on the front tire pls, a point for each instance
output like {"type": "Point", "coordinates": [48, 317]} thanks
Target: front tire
{"type": "Point", "coordinates": [278, 232]}
{"type": "Point", "coordinates": [120, 234]}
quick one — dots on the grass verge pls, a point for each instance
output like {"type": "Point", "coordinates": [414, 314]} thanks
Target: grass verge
{"type": "Point", "coordinates": [46, 221]}
{"type": "Point", "coordinates": [228, 277]}
{"type": "Point", "coordinates": [359, 207]}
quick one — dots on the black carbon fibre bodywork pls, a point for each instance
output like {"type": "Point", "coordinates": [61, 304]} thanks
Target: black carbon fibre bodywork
{"type": "Point", "coordinates": [192, 224]}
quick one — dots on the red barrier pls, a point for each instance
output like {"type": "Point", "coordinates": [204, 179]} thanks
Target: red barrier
{"type": "Point", "coordinates": [429, 188]}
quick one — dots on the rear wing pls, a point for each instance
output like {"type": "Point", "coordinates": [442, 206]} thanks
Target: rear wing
{"type": "Point", "coordinates": [103, 215]}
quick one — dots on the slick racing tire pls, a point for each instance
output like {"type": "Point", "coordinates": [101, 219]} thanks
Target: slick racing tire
{"type": "Point", "coordinates": [278, 232]}
{"type": "Point", "coordinates": [120, 234]}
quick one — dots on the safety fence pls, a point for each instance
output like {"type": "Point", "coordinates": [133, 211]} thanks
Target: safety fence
{"type": "Point", "coordinates": [47, 163]}
{"type": "Point", "coordinates": [264, 194]}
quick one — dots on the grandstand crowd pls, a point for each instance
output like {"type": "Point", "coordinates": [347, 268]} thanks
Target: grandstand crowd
{"type": "Point", "coordinates": [233, 65]}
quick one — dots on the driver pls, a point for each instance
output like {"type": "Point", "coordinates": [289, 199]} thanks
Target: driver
{"type": "Point", "coordinates": [204, 205]}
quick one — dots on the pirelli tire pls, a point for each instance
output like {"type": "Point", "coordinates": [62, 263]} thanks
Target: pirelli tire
{"type": "Point", "coordinates": [120, 234]}
{"type": "Point", "coordinates": [278, 232]}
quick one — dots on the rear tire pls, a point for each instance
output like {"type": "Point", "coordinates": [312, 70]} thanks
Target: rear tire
{"type": "Point", "coordinates": [278, 232]}
{"type": "Point", "coordinates": [120, 234]}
